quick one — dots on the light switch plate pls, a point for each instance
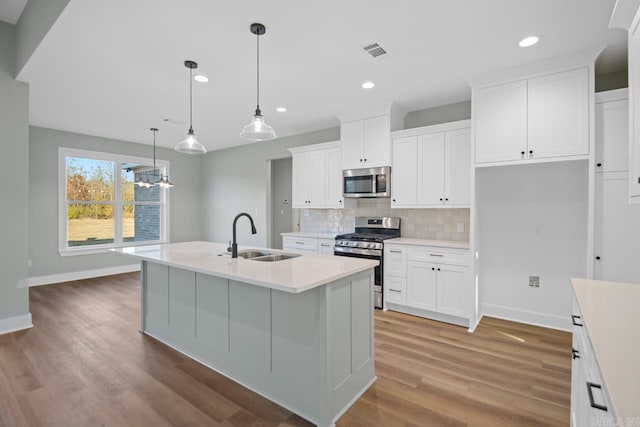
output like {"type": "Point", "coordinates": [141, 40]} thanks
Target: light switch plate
{"type": "Point", "coordinates": [534, 281]}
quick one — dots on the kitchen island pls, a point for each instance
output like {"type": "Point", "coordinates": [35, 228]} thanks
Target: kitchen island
{"type": "Point", "coordinates": [297, 331]}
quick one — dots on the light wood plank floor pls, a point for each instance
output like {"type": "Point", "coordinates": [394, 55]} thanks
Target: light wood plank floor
{"type": "Point", "coordinates": [85, 364]}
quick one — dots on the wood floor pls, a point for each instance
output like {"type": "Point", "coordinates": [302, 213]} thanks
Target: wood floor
{"type": "Point", "coordinates": [85, 364]}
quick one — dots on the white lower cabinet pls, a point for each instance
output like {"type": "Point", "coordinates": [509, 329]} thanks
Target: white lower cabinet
{"type": "Point", "coordinates": [429, 282]}
{"type": "Point", "coordinates": [590, 402]}
{"type": "Point", "coordinates": [307, 245]}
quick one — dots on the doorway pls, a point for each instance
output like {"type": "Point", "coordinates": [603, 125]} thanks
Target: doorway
{"type": "Point", "coordinates": [281, 212]}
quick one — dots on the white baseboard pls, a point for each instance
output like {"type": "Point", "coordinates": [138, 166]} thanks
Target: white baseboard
{"type": "Point", "coordinates": [17, 323]}
{"type": "Point", "coordinates": [473, 327]}
{"type": "Point", "coordinates": [79, 275]}
{"type": "Point", "coordinates": [562, 323]}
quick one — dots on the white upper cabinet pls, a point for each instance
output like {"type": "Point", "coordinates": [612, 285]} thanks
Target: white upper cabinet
{"type": "Point", "coordinates": [366, 142]}
{"type": "Point", "coordinates": [500, 114]}
{"type": "Point", "coordinates": [431, 166]}
{"type": "Point", "coordinates": [559, 114]}
{"type": "Point", "coordinates": [317, 176]}
{"type": "Point", "coordinates": [539, 118]}
{"type": "Point", "coordinates": [404, 172]}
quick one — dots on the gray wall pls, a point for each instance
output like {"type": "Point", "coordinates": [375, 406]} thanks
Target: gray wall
{"type": "Point", "coordinates": [235, 180]}
{"type": "Point", "coordinates": [14, 143]}
{"type": "Point", "coordinates": [36, 20]}
{"type": "Point", "coordinates": [185, 218]}
{"type": "Point", "coordinates": [610, 81]}
{"type": "Point", "coordinates": [281, 216]}
{"type": "Point", "coordinates": [437, 115]}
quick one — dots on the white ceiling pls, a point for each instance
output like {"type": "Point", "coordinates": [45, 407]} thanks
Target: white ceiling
{"type": "Point", "coordinates": [115, 68]}
{"type": "Point", "coordinates": [10, 10]}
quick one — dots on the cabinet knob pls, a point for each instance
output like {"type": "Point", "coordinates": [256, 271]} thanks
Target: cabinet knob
{"type": "Point", "coordinates": [639, 180]}
{"type": "Point", "coordinates": [522, 153]}
{"type": "Point", "coordinates": [530, 151]}
{"type": "Point", "coordinates": [365, 160]}
{"type": "Point", "coordinates": [440, 198]}
{"type": "Point", "coordinates": [438, 269]}
{"type": "Point", "coordinates": [393, 200]}
{"type": "Point", "coordinates": [360, 159]}
{"type": "Point", "coordinates": [598, 258]}
{"type": "Point", "coordinates": [433, 268]}
{"type": "Point", "coordinates": [446, 199]}
{"type": "Point", "coordinates": [599, 165]}
{"type": "Point", "coordinates": [339, 201]}
{"type": "Point", "coordinates": [575, 354]}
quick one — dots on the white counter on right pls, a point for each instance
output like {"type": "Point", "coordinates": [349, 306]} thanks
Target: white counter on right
{"type": "Point", "coordinates": [609, 313]}
{"type": "Point", "coordinates": [427, 242]}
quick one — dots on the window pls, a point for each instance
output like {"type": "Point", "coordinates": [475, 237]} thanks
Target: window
{"type": "Point", "coordinates": [101, 207]}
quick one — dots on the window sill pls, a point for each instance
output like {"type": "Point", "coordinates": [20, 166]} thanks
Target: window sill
{"type": "Point", "coordinates": [104, 249]}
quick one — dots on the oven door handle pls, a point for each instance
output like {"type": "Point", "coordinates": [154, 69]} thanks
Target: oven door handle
{"type": "Point", "coordinates": [357, 251]}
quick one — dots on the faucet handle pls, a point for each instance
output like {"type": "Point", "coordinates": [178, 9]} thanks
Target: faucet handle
{"type": "Point", "coordinates": [229, 247]}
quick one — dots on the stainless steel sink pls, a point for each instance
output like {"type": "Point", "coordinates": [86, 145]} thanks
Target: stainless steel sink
{"type": "Point", "coordinates": [274, 257]}
{"type": "Point", "coordinates": [252, 253]}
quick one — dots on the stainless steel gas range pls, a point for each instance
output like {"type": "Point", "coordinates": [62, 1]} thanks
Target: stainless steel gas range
{"type": "Point", "coordinates": [368, 242]}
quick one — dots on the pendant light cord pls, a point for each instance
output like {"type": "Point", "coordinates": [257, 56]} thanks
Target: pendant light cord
{"type": "Point", "coordinates": [258, 69]}
{"type": "Point", "coordinates": [154, 152]}
{"type": "Point", "coordinates": [190, 99]}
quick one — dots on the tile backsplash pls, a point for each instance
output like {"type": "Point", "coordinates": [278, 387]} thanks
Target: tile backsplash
{"type": "Point", "coordinates": [439, 224]}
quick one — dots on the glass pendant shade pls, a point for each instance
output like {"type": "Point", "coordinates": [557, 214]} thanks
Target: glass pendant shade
{"type": "Point", "coordinates": [258, 130]}
{"type": "Point", "coordinates": [190, 145]}
{"type": "Point", "coordinates": [164, 182]}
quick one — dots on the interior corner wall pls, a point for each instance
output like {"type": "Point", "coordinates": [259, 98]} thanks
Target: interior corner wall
{"type": "Point", "coordinates": [184, 198]}
{"type": "Point", "coordinates": [437, 115]}
{"type": "Point", "coordinates": [14, 143]}
{"type": "Point", "coordinates": [532, 221]}
{"type": "Point", "coordinates": [235, 180]}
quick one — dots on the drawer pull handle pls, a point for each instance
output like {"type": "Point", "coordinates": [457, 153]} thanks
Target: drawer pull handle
{"type": "Point", "coordinates": [575, 354]}
{"type": "Point", "coordinates": [395, 251]}
{"type": "Point", "coordinates": [438, 255]}
{"type": "Point", "coordinates": [395, 290]}
{"type": "Point", "coordinates": [591, 386]}
{"type": "Point", "coordinates": [326, 245]}
{"type": "Point", "coordinates": [573, 320]}
{"type": "Point", "coordinates": [299, 243]}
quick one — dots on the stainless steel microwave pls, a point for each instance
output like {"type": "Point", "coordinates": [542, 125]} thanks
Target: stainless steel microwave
{"type": "Point", "coordinates": [371, 182]}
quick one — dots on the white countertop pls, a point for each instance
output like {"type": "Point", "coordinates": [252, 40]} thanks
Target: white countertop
{"type": "Point", "coordinates": [610, 314]}
{"type": "Point", "coordinates": [293, 275]}
{"type": "Point", "coordinates": [313, 234]}
{"type": "Point", "coordinates": [426, 242]}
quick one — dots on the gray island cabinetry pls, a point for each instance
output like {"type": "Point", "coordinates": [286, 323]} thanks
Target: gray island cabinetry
{"type": "Point", "coordinates": [299, 331]}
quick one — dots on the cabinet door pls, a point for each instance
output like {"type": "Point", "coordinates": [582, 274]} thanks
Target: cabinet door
{"type": "Point", "coordinates": [500, 122]}
{"type": "Point", "coordinates": [559, 115]}
{"type": "Point", "coordinates": [352, 137]}
{"type": "Point", "coordinates": [612, 136]}
{"type": "Point", "coordinates": [316, 171]}
{"type": "Point", "coordinates": [300, 180]}
{"type": "Point", "coordinates": [404, 172]}
{"type": "Point", "coordinates": [634, 106]}
{"type": "Point", "coordinates": [377, 142]}
{"type": "Point", "coordinates": [452, 294]}
{"type": "Point", "coordinates": [421, 285]}
{"type": "Point", "coordinates": [431, 169]}
{"type": "Point", "coordinates": [457, 178]}
{"type": "Point", "coordinates": [333, 179]}
{"type": "Point", "coordinates": [617, 231]}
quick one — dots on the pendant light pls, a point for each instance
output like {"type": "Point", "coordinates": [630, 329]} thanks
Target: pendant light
{"type": "Point", "coordinates": [190, 145]}
{"type": "Point", "coordinates": [164, 179]}
{"type": "Point", "coordinates": [258, 130]}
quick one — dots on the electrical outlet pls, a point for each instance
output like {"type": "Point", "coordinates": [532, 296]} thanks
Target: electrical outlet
{"type": "Point", "coordinates": [534, 281]}
{"type": "Point", "coordinates": [460, 227]}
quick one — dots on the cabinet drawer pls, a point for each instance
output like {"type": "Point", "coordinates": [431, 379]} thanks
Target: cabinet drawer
{"type": "Point", "coordinates": [395, 289]}
{"type": "Point", "coordinates": [395, 260]}
{"type": "Point", "coordinates": [438, 255]}
{"type": "Point", "coordinates": [306, 243]}
{"type": "Point", "coordinates": [325, 246]}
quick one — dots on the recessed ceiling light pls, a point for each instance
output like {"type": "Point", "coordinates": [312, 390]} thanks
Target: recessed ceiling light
{"type": "Point", "coordinates": [368, 85]}
{"type": "Point", "coordinates": [201, 78]}
{"type": "Point", "coordinates": [281, 109]}
{"type": "Point", "coordinates": [529, 41]}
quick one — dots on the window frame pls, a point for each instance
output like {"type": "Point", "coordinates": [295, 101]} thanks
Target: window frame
{"type": "Point", "coordinates": [63, 246]}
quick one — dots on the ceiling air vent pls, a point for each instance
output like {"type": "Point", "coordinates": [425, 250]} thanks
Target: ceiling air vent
{"type": "Point", "coordinates": [374, 50]}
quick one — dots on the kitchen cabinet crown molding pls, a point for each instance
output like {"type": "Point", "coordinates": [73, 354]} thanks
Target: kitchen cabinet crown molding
{"type": "Point", "coordinates": [612, 95]}
{"type": "Point", "coordinates": [538, 69]}
{"type": "Point", "coordinates": [314, 147]}
{"type": "Point", "coordinates": [441, 127]}
{"type": "Point", "coordinates": [623, 13]}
